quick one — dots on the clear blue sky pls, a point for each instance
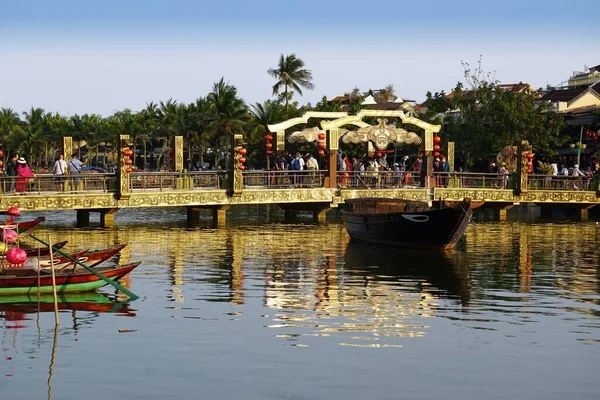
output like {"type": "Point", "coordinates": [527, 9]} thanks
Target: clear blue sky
{"type": "Point", "coordinates": [101, 56]}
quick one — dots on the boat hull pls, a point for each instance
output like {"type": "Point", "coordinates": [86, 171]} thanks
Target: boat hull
{"type": "Point", "coordinates": [66, 282]}
{"type": "Point", "coordinates": [440, 229]}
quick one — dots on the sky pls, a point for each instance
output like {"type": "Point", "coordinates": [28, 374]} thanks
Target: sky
{"type": "Point", "coordinates": [74, 56]}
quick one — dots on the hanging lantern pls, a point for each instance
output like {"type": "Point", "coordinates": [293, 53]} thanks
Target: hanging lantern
{"type": "Point", "coordinates": [1, 163]}
{"type": "Point", "coordinates": [378, 154]}
{"type": "Point", "coordinates": [436, 139]}
{"type": "Point", "coordinates": [436, 153]}
{"type": "Point", "coordinates": [242, 160]}
{"type": "Point", "coordinates": [572, 145]}
{"type": "Point", "coordinates": [322, 145]}
{"type": "Point", "coordinates": [583, 146]}
{"type": "Point", "coordinates": [13, 211]}
{"type": "Point", "coordinates": [529, 156]}
{"type": "Point", "coordinates": [321, 136]}
{"type": "Point", "coordinates": [529, 171]}
{"type": "Point", "coordinates": [1, 153]}
{"type": "Point", "coordinates": [268, 137]}
{"type": "Point", "coordinates": [128, 161]}
{"type": "Point", "coordinates": [241, 151]}
{"type": "Point", "coordinates": [10, 236]}
{"type": "Point", "coordinates": [16, 256]}
{"type": "Point", "coordinates": [268, 145]}
{"type": "Point", "coordinates": [436, 147]}
{"type": "Point", "coordinates": [129, 170]}
{"type": "Point", "coordinates": [129, 152]}
{"type": "Point", "coordinates": [321, 152]}
{"type": "Point", "coordinates": [529, 164]}
{"type": "Point", "coordinates": [241, 167]}
{"type": "Point", "coordinates": [269, 152]}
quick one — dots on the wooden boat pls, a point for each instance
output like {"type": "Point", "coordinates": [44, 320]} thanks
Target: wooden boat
{"type": "Point", "coordinates": [43, 251]}
{"type": "Point", "coordinates": [405, 223]}
{"type": "Point", "coordinates": [27, 225]}
{"type": "Point", "coordinates": [90, 258]}
{"type": "Point", "coordinates": [87, 301]}
{"type": "Point", "coordinates": [25, 281]}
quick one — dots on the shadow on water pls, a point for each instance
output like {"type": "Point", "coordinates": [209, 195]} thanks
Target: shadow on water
{"type": "Point", "coordinates": [445, 270]}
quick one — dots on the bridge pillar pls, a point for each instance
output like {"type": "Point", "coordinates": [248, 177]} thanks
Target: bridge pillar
{"type": "Point", "coordinates": [502, 212]}
{"type": "Point", "coordinates": [83, 218]}
{"type": "Point", "coordinates": [107, 217]}
{"type": "Point", "coordinates": [584, 212]}
{"type": "Point", "coordinates": [193, 215]}
{"type": "Point", "coordinates": [220, 215]}
{"type": "Point", "coordinates": [320, 216]}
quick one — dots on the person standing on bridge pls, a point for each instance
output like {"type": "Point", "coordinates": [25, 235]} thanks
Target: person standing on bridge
{"type": "Point", "coordinates": [11, 171]}
{"type": "Point", "coordinates": [74, 169]}
{"type": "Point", "coordinates": [60, 171]}
{"type": "Point", "coordinates": [24, 175]}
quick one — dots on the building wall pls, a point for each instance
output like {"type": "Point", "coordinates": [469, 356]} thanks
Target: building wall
{"type": "Point", "coordinates": [588, 99]}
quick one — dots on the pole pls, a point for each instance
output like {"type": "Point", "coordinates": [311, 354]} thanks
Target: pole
{"type": "Point", "coordinates": [54, 296]}
{"type": "Point", "coordinates": [579, 146]}
{"type": "Point", "coordinates": [116, 285]}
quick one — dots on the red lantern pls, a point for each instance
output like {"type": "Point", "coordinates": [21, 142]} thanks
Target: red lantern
{"type": "Point", "coordinates": [1, 163]}
{"type": "Point", "coordinates": [268, 137]}
{"type": "Point", "coordinates": [269, 152]}
{"type": "Point", "coordinates": [268, 145]}
{"type": "Point", "coordinates": [1, 153]}
{"type": "Point", "coordinates": [241, 160]}
{"type": "Point", "coordinates": [10, 236]}
{"type": "Point", "coordinates": [436, 154]}
{"type": "Point", "coordinates": [241, 151]}
{"type": "Point", "coordinates": [321, 152]}
{"type": "Point", "coordinates": [321, 136]}
{"type": "Point", "coordinates": [322, 145]}
{"type": "Point", "coordinates": [378, 154]}
{"type": "Point", "coordinates": [436, 140]}
{"type": "Point", "coordinates": [128, 161]}
{"type": "Point", "coordinates": [129, 152]}
{"type": "Point", "coordinates": [529, 156]}
{"type": "Point", "coordinates": [436, 147]}
{"type": "Point", "coordinates": [16, 256]}
{"type": "Point", "coordinates": [529, 164]}
{"type": "Point", "coordinates": [529, 171]}
{"type": "Point", "coordinates": [13, 211]}
{"type": "Point", "coordinates": [129, 170]}
{"type": "Point", "coordinates": [241, 167]}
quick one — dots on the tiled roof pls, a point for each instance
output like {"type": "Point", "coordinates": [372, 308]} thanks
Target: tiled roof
{"type": "Point", "coordinates": [563, 94]}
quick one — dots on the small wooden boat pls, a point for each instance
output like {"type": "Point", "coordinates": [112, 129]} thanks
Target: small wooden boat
{"type": "Point", "coordinates": [43, 251]}
{"type": "Point", "coordinates": [27, 225]}
{"type": "Point", "coordinates": [25, 281]}
{"type": "Point", "coordinates": [405, 223]}
{"type": "Point", "coordinates": [87, 301]}
{"type": "Point", "coordinates": [90, 258]}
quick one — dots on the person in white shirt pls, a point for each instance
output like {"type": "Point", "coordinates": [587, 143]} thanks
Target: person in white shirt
{"type": "Point", "coordinates": [60, 171]}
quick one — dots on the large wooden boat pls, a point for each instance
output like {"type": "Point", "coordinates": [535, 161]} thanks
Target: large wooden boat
{"type": "Point", "coordinates": [405, 223]}
{"type": "Point", "coordinates": [28, 282]}
{"type": "Point", "coordinates": [27, 225]}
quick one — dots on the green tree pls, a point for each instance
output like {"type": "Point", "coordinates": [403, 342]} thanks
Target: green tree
{"type": "Point", "coordinates": [290, 73]}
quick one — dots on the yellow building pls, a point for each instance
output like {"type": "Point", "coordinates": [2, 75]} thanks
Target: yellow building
{"type": "Point", "coordinates": [569, 99]}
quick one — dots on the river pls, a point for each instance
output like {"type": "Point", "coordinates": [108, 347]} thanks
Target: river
{"type": "Point", "coordinates": [260, 309]}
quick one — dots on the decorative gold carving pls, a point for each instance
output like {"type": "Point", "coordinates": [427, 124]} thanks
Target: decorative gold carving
{"type": "Point", "coordinates": [404, 194]}
{"type": "Point", "coordinates": [178, 153]}
{"type": "Point", "coordinates": [307, 135]}
{"type": "Point", "coordinates": [558, 197]}
{"type": "Point", "coordinates": [282, 126]}
{"type": "Point", "coordinates": [353, 119]}
{"type": "Point", "coordinates": [123, 177]}
{"type": "Point", "coordinates": [428, 140]}
{"type": "Point", "coordinates": [67, 147]}
{"type": "Point", "coordinates": [451, 155]}
{"type": "Point", "coordinates": [60, 201]}
{"type": "Point", "coordinates": [280, 142]}
{"type": "Point", "coordinates": [237, 178]}
{"type": "Point", "coordinates": [333, 139]}
{"type": "Point", "coordinates": [489, 195]}
{"type": "Point", "coordinates": [381, 135]}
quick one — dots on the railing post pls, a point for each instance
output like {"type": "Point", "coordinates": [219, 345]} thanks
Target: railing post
{"type": "Point", "coordinates": [123, 183]}
{"type": "Point", "coordinates": [178, 153]}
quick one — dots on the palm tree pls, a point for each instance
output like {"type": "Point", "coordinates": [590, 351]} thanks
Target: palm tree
{"type": "Point", "coordinates": [226, 113]}
{"type": "Point", "coordinates": [263, 115]}
{"type": "Point", "coordinates": [9, 125]}
{"type": "Point", "coordinates": [290, 72]}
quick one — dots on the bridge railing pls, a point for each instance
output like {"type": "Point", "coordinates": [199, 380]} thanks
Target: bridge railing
{"type": "Point", "coordinates": [550, 182]}
{"type": "Point", "coordinates": [165, 181]}
{"type": "Point", "coordinates": [284, 179]}
{"type": "Point", "coordinates": [473, 180]}
{"type": "Point", "coordinates": [48, 183]}
{"type": "Point", "coordinates": [378, 179]}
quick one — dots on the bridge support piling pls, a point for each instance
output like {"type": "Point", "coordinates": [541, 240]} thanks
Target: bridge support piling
{"type": "Point", "coordinates": [502, 212]}
{"type": "Point", "coordinates": [193, 215]}
{"type": "Point", "coordinates": [107, 217]}
{"type": "Point", "coordinates": [584, 213]}
{"type": "Point", "coordinates": [320, 216]}
{"type": "Point", "coordinates": [220, 215]}
{"type": "Point", "coordinates": [83, 218]}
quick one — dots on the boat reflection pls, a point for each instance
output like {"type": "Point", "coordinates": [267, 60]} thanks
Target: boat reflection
{"type": "Point", "coordinates": [437, 273]}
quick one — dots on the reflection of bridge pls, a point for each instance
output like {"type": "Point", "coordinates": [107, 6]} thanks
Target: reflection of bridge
{"type": "Point", "coordinates": [291, 190]}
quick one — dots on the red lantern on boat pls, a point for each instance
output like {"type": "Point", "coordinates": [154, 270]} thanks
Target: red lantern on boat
{"type": "Point", "coordinates": [268, 137]}
{"type": "Point", "coordinates": [13, 211]}
{"type": "Point", "coordinates": [321, 152]}
{"type": "Point", "coordinates": [128, 161]}
{"type": "Point", "coordinates": [436, 147]}
{"type": "Point", "coordinates": [10, 236]}
{"type": "Point", "coordinates": [129, 170]}
{"type": "Point", "coordinates": [321, 136]}
{"type": "Point", "coordinates": [436, 139]}
{"type": "Point", "coordinates": [16, 256]}
{"type": "Point", "coordinates": [436, 153]}
{"type": "Point", "coordinates": [129, 152]}
{"type": "Point", "coordinates": [241, 151]}
{"type": "Point", "coordinates": [322, 145]}
{"type": "Point", "coordinates": [268, 145]}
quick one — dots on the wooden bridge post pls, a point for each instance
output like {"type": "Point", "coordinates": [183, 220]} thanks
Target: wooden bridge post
{"type": "Point", "coordinates": [236, 178]}
{"type": "Point", "coordinates": [220, 215]}
{"type": "Point", "coordinates": [320, 215]}
{"type": "Point", "coordinates": [83, 218]}
{"type": "Point", "coordinates": [333, 139]}
{"type": "Point", "coordinates": [107, 217]}
{"type": "Point", "coordinates": [451, 156]}
{"type": "Point", "coordinates": [123, 190]}
{"type": "Point", "coordinates": [67, 147]}
{"type": "Point", "coordinates": [521, 178]}
{"type": "Point", "coordinates": [178, 153]}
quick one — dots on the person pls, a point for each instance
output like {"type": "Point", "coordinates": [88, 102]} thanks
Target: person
{"type": "Point", "coordinates": [311, 163]}
{"type": "Point", "coordinates": [60, 171]}
{"type": "Point", "coordinates": [554, 166]}
{"type": "Point", "coordinates": [503, 171]}
{"type": "Point", "coordinates": [11, 171]}
{"type": "Point", "coordinates": [493, 168]}
{"type": "Point", "coordinates": [74, 168]}
{"type": "Point", "coordinates": [444, 167]}
{"type": "Point", "coordinates": [577, 171]}
{"type": "Point", "coordinates": [564, 171]}
{"type": "Point", "coordinates": [24, 175]}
